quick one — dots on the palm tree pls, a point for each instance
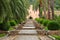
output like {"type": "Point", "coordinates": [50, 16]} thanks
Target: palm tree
{"type": "Point", "coordinates": [48, 9]}
{"type": "Point", "coordinates": [52, 7]}
{"type": "Point", "coordinates": [13, 10]}
{"type": "Point", "coordinates": [40, 8]}
{"type": "Point", "coordinates": [44, 7]}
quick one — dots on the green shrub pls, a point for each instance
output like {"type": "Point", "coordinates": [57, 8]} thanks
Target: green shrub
{"type": "Point", "coordinates": [58, 20]}
{"type": "Point", "coordinates": [56, 36]}
{"type": "Point", "coordinates": [2, 35]}
{"type": "Point", "coordinates": [38, 20]}
{"type": "Point", "coordinates": [52, 25]}
{"type": "Point", "coordinates": [16, 21]}
{"type": "Point", "coordinates": [12, 23]}
{"type": "Point", "coordinates": [41, 21]}
{"type": "Point", "coordinates": [43, 17]}
{"type": "Point", "coordinates": [4, 26]}
{"type": "Point", "coordinates": [45, 22]}
{"type": "Point", "coordinates": [11, 28]}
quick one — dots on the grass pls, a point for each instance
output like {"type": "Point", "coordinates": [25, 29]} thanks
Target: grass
{"type": "Point", "coordinates": [11, 28]}
{"type": "Point", "coordinates": [46, 28]}
{"type": "Point", "coordinates": [56, 36]}
{"type": "Point", "coordinates": [2, 35]}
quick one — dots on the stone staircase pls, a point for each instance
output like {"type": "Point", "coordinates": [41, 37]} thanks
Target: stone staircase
{"type": "Point", "coordinates": [29, 32]}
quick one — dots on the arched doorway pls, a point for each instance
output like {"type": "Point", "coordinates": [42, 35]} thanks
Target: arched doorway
{"type": "Point", "coordinates": [30, 17]}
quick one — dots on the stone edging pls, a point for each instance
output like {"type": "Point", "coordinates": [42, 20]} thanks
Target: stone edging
{"type": "Point", "coordinates": [51, 37]}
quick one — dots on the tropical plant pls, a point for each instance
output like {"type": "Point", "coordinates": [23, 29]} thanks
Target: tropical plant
{"type": "Point", "coordinates": [13, 10]}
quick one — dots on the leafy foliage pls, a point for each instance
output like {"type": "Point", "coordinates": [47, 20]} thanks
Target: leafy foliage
{"type": "Point", "coordinates": [4, 26]}
{"type": "Point", "coordinates": [13, 10]}
{"type": "Point", "coordinates": [57, 37]}
{"type": "Point", "coordinates": [45, 22]}
{"type": "Point", "coordinates": [38, 20]}
{"type": "Point", "coordinates": [57, 4]}
{"type": "Point", "coordinates": [12, 23]}
{"type": "Point", "coordinates": [57, 19]}
{"type": "Point", "coordinates": [52, 25]}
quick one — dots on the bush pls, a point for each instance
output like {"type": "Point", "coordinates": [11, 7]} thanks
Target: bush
{"type": "Point", "coordinates": [43, 17]}
{"type": "Point", "coordinates": [56, 36]}
{"type": "Point", "coordinates": [45, 22]}
{"type": "Point", "coordinates": [58, 19]}
{"type": "Point", "coordinates": [2, 34]}
{"type": "Point", "coordinates": [38, 20]}
{"type": "Point", "coordinates": [41, 21]}
{"type": "Point", "coordinates": [16, 21]}
{"type": "Point", "coordinates": [53, 25]}
{"type": "Point", "coordinates": [12, 23]}
{"type": "Point", "coordinates": [4, 26]}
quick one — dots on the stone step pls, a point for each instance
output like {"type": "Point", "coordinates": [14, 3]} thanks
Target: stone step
{"type": "Point", "coordinates": [28, 27]}
{"type": "Point", "coordinates": [28, 32]}
{"type": "Point", "coordinates": [27, 37]}
{"type": "Point", "coordinates": [44, 38]}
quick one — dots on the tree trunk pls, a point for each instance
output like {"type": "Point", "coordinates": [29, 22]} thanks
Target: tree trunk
{"type": "Point", "coordinates": [52, 8]}
{"type": "Point", "coordinates": [48, 9]}
{"type": "Point", "coordinates": [40, 9]}
{"type": "Point", "coordinates": [44, 6]}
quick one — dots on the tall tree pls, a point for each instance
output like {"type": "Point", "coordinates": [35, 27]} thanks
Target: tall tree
{"type": "Point", "coordinates": [48, 9]}
{"type": "Point", "coordinates": [12, 10]}
{"type": "Point", "coordinates": [44, 7]}
{"type": "Point", "coordinates": [40, 9]}
{"type": "Point", "coordinates": [52, 7]}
